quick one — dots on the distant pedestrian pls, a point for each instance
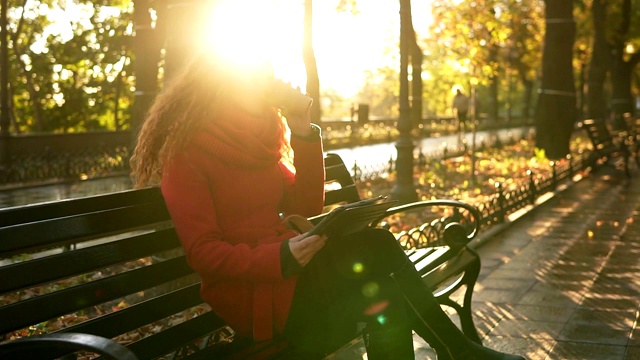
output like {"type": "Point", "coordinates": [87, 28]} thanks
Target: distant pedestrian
{"type": "Point", "coordinates": [461, 107]}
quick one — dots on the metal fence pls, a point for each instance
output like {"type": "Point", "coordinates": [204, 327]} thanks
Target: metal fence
{"type": "Point", "coordinates": [55, 157]}
{"type": "Point", "coordinates": [28, 159]}
{"type": "Point", "coordinates": [497, 207]}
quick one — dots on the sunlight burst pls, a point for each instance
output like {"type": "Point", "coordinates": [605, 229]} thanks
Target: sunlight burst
{"type": "Point", "coordinates": [258, 32]}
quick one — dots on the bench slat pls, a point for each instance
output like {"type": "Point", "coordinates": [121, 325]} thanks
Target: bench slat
{"type": "Point", "coordinates": [69, 263]}
{"type": "Point", "coordinates": [335, 197]}
{"type": "Point", "coordinates": [335, 171]}
{"type": "Point", "coordinates": [60, 231]}
{"type": "Point", "coordinates": [68, 207]}
{"type": "Point", "coordinates": [147, 312]}
{"type": "Point", "coordinates": [172, 338]}
{"type": "Point", "coordinates": [35, 310]}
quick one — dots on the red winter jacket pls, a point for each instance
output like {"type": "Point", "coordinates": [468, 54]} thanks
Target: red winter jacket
{"type": "Point", "coordinates": [224, 194]}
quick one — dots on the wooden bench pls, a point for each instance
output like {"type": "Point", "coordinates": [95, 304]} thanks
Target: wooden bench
{"type": "Point", "coordinates": [605, 145]}
{"type": "Point", "coordinates": [105, 267]}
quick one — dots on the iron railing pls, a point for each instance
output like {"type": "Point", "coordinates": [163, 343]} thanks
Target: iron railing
{"type": "Point", "coordinates": [36, 158]}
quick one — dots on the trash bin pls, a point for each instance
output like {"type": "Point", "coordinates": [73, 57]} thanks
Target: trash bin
{"type": "Point", "coordinates": [363, 114]}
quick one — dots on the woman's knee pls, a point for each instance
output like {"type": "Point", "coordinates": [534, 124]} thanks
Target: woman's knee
{"type": "Point", "coordinates": [385, 247]}
{"type": "Point", "coordinates": [375, 249]}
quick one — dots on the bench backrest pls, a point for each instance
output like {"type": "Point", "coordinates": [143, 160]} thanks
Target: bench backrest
{"type": "Point", "coordinates": [116, 251]}
{"type": "Point", "coordinates": [599, 134]}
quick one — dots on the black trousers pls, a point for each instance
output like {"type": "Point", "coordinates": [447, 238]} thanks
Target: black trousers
{"type": "Point", "coordinates": [462, 121]}
{"type": "Point", "coordinates": [345, 284]}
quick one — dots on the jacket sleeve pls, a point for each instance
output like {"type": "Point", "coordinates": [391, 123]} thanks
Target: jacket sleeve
{"type": "Point", "coordinates": [304, 187]}
{"type": "Point", "coordinates": [195, 219]}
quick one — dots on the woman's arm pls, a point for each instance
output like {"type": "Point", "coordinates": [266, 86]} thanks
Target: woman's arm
{"type": "Point", "coordinates": [304, 190]}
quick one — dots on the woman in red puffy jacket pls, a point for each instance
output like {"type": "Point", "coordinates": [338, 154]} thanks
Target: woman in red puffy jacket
{"type": "Point", "coordinates": [232, 149]}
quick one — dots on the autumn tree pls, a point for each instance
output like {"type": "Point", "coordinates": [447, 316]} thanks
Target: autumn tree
{"type": "Point", "coordinates": [308, 55]}
{"type": "Point", "coordinates": [523, 46]}
{"type": "Point", "coordinates": [556, 108]}
{"type": "Point", "coordinates": [599, 65]}
{"type": "Point", "coordinates": [624, 54]}
{"type": "Point", "coordinates": [474, 32]}
{"type": "Point", "coordinates": [72, 80]}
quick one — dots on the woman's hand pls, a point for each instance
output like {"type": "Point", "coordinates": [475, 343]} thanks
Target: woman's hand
{"type": "Point", "coordinates": [299, 123]}
{"type": "Point", "coordinates": [294, 106]}
{"type": "Point", "coordinates": [304, 248]}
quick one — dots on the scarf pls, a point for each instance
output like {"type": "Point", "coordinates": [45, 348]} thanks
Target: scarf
{"type": "Point", "coordinates": [242, 139]}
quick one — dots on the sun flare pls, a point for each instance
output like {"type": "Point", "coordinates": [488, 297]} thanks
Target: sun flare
{"type": "Point", "coordinates": [252, 33]}
{"type": "Point", "coordinates": [345, 45]}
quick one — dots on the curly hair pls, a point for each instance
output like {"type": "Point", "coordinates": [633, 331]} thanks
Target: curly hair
{"type": "Point", "coordinates": [193, 96]}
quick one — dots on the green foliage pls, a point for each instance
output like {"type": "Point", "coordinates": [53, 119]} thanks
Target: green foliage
{"type": "Point", "coordinates": [381, 91]}
{"type": "Point", "coordinates": [76, 76]}
{"type": "Point", "coordinates": [539, 155]}
{"type": "Point", "coordinates": [482, 40]}
{"type": "Point", "coordinates": [334, 105]}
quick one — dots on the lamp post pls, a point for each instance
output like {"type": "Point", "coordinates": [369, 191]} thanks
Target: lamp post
{"type": "Point", "coordinates": [404, 189]}
{"type": "Point", "coordinates": [582, 52]}
{"type": "Point", "coordinates": [474, 120]}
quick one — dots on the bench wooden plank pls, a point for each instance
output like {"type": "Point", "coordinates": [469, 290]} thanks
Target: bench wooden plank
{"type": "Point", "coordinates": [37, 309]}
{"type": "Point", "coordinates": [83, 260]}
{"type": "Point", "coordinates": [67, 207]}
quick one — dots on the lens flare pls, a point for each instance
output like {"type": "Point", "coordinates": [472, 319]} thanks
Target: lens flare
{"type": "Point", "coordinates": [370, 289]}
{"type": "Point", "coordinates": [377, 308]}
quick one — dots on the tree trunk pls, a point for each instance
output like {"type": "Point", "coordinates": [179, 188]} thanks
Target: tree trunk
{"type": "Point", "coordinates": [599, 64]}
{"type": "Point", "coordinates": [556, 109]}
{"type": "Point", "coordinates": [621, 76]}
{"type": "Point", "coordinates": [621, 69]}
{"type": "Point", "coordinates": [309, 57]}
{"type": "Point", "coordinates": [147, 45]}
{"type": "Point", "coordinates": [416, 81]}
{"type": "Point", "coordinates": [527, 97]}
{"type": "Point", "coordinates": [493, 106]}
{"type": "Point", "coordinates": [182, 19]}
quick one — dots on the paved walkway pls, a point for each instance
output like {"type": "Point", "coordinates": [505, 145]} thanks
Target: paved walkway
{"type": "Point", "coordinates": [563, 281]}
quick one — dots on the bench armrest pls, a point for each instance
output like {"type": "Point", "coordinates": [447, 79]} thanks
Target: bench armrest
{"type": "Point", "coordinates": [454, 227]}
{"type": "Point", "coordinates": [42, 346]}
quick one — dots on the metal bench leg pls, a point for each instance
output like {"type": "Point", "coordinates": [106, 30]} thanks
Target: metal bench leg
{"type": "Point", "coordinates": [466, 316]}
{"type": "Point", "coordinates": [464, 311]}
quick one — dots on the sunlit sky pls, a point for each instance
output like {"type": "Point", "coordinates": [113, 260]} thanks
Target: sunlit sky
{"type": "Point", "coordinates": [346, 45]}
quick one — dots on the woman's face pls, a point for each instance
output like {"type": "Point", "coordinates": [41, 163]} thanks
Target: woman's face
{"type": "Point", "coordinates": [251, 88]}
